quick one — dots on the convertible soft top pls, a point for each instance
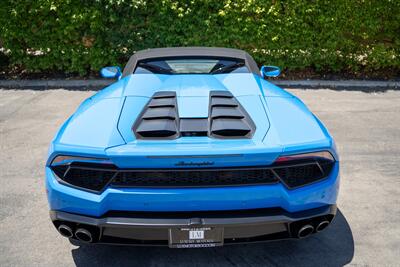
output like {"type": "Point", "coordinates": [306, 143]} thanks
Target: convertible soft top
{"type": "Point", "coordinates": [190, 52]}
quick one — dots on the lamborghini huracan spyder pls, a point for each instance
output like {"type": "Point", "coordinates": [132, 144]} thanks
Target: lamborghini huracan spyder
{"type": "Point", "coordinates": [191, 147]}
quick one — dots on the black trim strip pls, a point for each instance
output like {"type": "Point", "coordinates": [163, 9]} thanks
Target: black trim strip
{"type": "Point", "coordinates": [195, 156]}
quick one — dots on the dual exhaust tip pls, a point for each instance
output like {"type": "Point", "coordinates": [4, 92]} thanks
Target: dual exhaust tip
{"type": "Point", "coordinates": [308, 229]}
{"type": "Point", "coordinates": [81, 234]}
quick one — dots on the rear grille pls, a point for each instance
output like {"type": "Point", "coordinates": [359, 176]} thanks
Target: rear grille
{"type": "Point", "coordinates": [194, 178]}
{"type": "Point", "coordinates": [95, 177]}
{"type": "Point", "coordinates": [299, 175]}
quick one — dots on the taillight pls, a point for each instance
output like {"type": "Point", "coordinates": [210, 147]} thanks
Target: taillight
{"type": "Point", "coordinates": [66, 160]}
{"type": "Point", "coordinates": [87, 173]}
{"type": "Point", "coordinates": [303, 169]}
{"type": "Point", "coordinates": [318, 156]}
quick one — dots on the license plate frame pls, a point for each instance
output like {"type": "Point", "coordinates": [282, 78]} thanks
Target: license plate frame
{"type": "Point", "coordinates": [196, 237]}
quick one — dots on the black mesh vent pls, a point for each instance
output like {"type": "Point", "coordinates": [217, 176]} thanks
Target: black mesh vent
{"type": "Point", "coordinates": [326, 166]}
{"type": "Point", "coordinates": [194, 178]}
{"type": "Point", "coordinates": [60, 170]}
{"type": "Point", "coordinates": [91, 178]}
{"type": "Point", "coordinates": [159, 119]}
{"type": "Point", "coordinates": [302, 174]}
{"type": "Point", "coordinates": [228, 118]}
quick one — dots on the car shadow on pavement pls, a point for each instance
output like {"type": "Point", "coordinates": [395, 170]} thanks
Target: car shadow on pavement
{"type": "Point", "coordinates": [332, 247]}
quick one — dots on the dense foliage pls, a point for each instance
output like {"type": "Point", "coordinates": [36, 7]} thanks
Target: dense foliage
{"type": "Point", "coordinates": [82, 36]}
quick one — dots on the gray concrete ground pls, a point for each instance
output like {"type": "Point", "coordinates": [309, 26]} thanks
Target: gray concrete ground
{"type": "Point", "coordinates": [365, 233]}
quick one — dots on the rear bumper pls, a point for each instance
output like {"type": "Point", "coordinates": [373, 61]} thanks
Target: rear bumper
{"type": "Point", "coordinates": [72, 200]}
{"type": "Point", "coordinates": [153, 228]}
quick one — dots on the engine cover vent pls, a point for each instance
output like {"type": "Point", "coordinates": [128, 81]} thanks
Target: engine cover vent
{"type": "Point", "coordinates": [228, 119]}
{"type": "Point", "coordinates": [159, 119]}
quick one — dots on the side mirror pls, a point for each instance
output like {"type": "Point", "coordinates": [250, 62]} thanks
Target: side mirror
{"type": "Point", "coordinates": [270, 71]}
{"type": "Point", "coordinates": [111, 72]}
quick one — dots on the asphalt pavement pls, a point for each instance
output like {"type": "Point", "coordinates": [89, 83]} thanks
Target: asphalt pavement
{"type": "Point", "coordinates": [366, 231]}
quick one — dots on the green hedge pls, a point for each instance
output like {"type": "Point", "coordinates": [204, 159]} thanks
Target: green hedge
{"type": "Point", "coordinates": [82, 36]}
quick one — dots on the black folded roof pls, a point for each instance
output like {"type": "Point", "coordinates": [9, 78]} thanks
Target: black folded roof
{"type": "Point", "coordinates": [190, 52]}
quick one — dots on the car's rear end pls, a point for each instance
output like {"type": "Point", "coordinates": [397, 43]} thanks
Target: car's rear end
{"type": "Point", "coordinates": [143, 206]}
{"type": "Point", "coordinates": [191, 161]}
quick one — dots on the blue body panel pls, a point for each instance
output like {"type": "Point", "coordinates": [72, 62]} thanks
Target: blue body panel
{"type": "Point", "coordinates": [102, 127]}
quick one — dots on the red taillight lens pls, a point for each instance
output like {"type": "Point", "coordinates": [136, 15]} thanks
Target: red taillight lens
{"type": "Point", "coordinates": [65, 160]}
{"type": "Point", "coordinates": [318, 156]}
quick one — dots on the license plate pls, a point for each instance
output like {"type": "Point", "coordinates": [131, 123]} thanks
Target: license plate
{"type": "Point", "coordinates": [196, 237]}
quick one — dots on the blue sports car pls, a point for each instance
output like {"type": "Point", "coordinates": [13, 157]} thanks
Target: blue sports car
{"type": "Point", "coordinates": [191, 147]}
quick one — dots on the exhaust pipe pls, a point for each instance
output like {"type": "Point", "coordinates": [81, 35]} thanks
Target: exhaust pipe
{"type": "Point", "coordinates": [65, 230]}
{"type": "Point", "coordinates": [305, 231]}
{"type": "Point", "coordinates": [321, 226]}
{"type": "Point", "coordinates": [83, 235]}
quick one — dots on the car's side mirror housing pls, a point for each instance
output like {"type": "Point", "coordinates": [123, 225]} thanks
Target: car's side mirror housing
{"type": "Point", "coordinates": [270, 71]}
{"type": "Point", "coordinates": [111, 72]}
